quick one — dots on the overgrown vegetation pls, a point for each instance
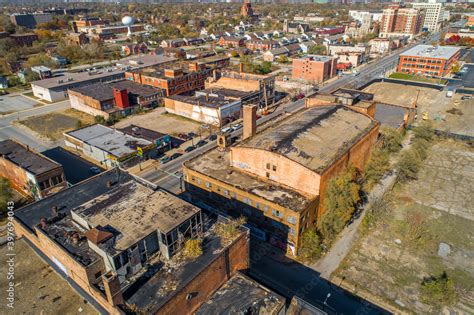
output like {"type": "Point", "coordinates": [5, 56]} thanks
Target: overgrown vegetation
{"type": "Point", "coordinates": [411, 159]}
{"type": "Point", "coordinates": [228, 230]}
{"type": "Point", "coordinates": [192, 248]}
{"type": "Point", "coordinates": [392, 140]}
{"type": "Point", "coordinates": [377, 211]}
{"type": "Point", "coordinates": [376, 168]}
{"type": "Point", "coordinates": [5, 196]}
{"type": "Point", "coordinates": [311, 246]}
{"type": "Point", "coordinates": [438, 291]}
{"type": "Point", "coordinates": [340, 203]}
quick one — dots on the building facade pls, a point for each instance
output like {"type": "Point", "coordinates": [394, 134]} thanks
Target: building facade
{"type": "Point", "coordinates": [314, 68]}
{"type": "Point", "coordinates": [429, 60]}
{"type": "Point", "coordinates": [397, 20]}
{"type": "Point", "coordinates": [30, 172]}
{"type": "Point", "coordinates": [434, 15]}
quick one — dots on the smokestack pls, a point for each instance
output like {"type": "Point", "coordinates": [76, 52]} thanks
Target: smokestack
{"type": "Point", "coordinates": [241, 67]}
{"type": "Point", "coordinates": [250, 121]}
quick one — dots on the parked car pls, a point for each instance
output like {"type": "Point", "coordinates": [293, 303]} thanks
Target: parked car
{"type": "Point", "coordinates": [466, 97]}
{"type": "Point", "coordinates": [191, 135]}
{"type": "Point", "coordinates": [212, 137]}
{"type": "Point", "coordinates": [226, 129]}
{"type": "Point", "coordinates": [183, 136]}
{"type": "Point", "coordinates": [165, 160]}
{"type": "Point", "coordinates": [175, 156]}
{"type": "Point", "coordinates": [189, 149]}
{"type": "Point", "coordinates": [258, 117]}
{"type": "Point", "coordinates": [201, 143]}
{"type": "Point", "coordinates": [94, 170]}
{"type": "Point", "coordinates": [300, 96]}
{"type": "Point", "coordinates": [237, 127]}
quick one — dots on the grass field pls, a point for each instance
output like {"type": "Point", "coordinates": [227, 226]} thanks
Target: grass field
{"type": "Point", "coordinates": [410, 77]}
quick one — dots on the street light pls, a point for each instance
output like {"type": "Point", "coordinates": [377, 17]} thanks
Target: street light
{"type": "Point", "coordinates": [326, 300]}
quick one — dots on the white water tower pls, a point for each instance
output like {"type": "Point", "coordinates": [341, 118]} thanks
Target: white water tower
{"type": "Point", "coordinates": [128, 22]}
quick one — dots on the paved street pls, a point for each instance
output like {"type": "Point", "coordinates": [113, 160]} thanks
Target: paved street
{"type": "Point", "coordinates": [10, 131]}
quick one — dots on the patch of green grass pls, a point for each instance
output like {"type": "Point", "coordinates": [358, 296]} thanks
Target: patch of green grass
{"type": "Point", "coordinates": [411, 77]}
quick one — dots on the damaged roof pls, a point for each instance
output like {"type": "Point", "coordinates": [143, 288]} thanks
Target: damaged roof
{"type": "Point", "coordinates": [314, 137]}
{"type": "Point", "coordinates": [242, 295]}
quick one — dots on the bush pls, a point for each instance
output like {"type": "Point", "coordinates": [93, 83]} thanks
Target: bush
{"type": "Point", "coordinates": [424, 131]}
{"type": "Point", "coordinates": [378, 209]}
{"type": "Point", "coordinates": [192, 248]}
{"type": "Point", "coordinates": [438, 291]}
{"type": "Point", "coordinates": [420, 146]}
{"type": "Point", "coordinates": [392, 140]}
{"type": "Point", "coordinates": [228, 230]}
{"type": "Point", "coordinates": [378, 165]}
{"type": "Point", "coordinates": [340, 203]}
{"type": "Point", "coordinates": [99, 120]}
{"type": "Point", "coordinates": [311, 246]}
{"type": "Point", "coordinates": [408, 165]}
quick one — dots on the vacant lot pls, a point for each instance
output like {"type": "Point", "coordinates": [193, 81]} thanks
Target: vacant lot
{"type": "Point", "coordinates": [38, 289]}
{"type": "Point", "coordinates": [393, 258]}
{"type": "Point", "coordinates": [52, 126]}
{"type": "Point", "coordinates": [160, 121]}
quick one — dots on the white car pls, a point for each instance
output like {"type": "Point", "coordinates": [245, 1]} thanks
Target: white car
{"type": "Point", "coordinates": [237, 127]}
{"type": "Point", "coordinates": [226, 129]}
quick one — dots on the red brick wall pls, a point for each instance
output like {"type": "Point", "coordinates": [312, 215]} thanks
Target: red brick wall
{"type": "Point", "coordinates": [210, 279]}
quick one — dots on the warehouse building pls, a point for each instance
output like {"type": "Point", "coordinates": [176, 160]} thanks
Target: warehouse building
{"type": "Point", "coordinates": [277, 178]}
{"type": "Point", "coordinates": [215, 107]}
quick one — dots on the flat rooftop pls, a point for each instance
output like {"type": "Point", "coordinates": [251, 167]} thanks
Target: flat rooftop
{"type": "Point", "coordinates": [242, 295]}
{"type": "Point", "coordinates": [26, 158]}
{"type": "Point", "coordinates": [216, 164]}
{"type": "Point", "coordinates": [390, 115]}
{"type": "Point", "coordinates": [143, 133]}
{"type": "Point", "coordinates": [70, 78]}
{"type": "Point", "coordinates": [317, 58]}
{"type": "Point", "coordinates": [314, 137]}
{"type": "Point", "coordinates": [104, 91]}
{"type": "Point", "coordinates": [144, 61]}
{"type": "Point", "coordinates": [354, 94]}
{"type": "Point", "coordinates": [429, 51]}
{"type": "Point", "coordinates": [110, 140]}
{"type": "Point", "coordinates": [213, 98]}
{"type": "Point", "coordinates": [134, 211]}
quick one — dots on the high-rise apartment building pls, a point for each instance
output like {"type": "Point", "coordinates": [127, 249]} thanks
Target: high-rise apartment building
{"type": "Point", "coordinates": [434, 13]}
{"type": "Point", "coordinates": [399, 21]}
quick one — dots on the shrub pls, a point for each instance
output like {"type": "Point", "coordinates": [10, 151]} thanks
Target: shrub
{"type": "Point", "coordinates": [192, 248]}
{"type": "Point", "coordinates": [311, 246]}
{"type": "Point", "coordinates": [392, 140]}
{"type": "Point", "coordinates": [424, 131]}
{"type": "Point", "coordinates": [438, 291]}
{"type": "Point", "coordinates": [340, 203]}
{"type": "Point", "coordinates": [228, 230]}
{"type": "Point", "coordinates": [408, 165]}
{"type": "Point", "coordinates": [99, 120]}
{"type": "Point", "coordinates": [378, 165]}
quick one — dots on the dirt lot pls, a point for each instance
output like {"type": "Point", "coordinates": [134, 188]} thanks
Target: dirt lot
{"type": "Point", "coordinates": [51, 126]}
{"type": "Point", "coordinates": [448, 114]}
{"type": "Point", "coordinates": [389, 263]}
{"type": "Point", "coordinates": [160, 121]}
{"type": "Point", "coordinates": [39, 289]}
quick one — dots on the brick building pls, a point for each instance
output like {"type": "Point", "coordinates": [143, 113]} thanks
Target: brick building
{"type": "Point", "coordinates": [179, 79]}
{"type": "Point", "coordinates": [260, 44]}
{"type": "Point", "coordinates": [114, 100]}
{"type": "Point", "coordinates": [314, 68]}
{"type": "Point", "coordinates": [24, 39]}
{"type": "Point", "coordinates": [397, 21]}
{"type": "Point", "coordinates": [134, 49]}
{"type": "Point", "coordinates": [78, 39]}
{"type": "Point", "coordinates": [429, 60]}
{"type": "Point", "coordinates": [116, 228]}
{"type": "Point", "coordinates": [231, 41]}
{"type": "Point", "coordinates": [30, 172]}
{"type": "Point", "coordinates": [277, 178]}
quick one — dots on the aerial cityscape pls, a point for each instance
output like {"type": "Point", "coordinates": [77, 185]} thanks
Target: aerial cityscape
{"type": "Point", "coordinates": [237, 157]}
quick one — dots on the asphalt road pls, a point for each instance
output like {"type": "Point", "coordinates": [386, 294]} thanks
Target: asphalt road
{"type": "Point", "coordinates": [10, 131]}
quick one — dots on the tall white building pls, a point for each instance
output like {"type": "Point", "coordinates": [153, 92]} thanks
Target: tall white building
{"type": "Point", "coordinates": [434, 13]}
